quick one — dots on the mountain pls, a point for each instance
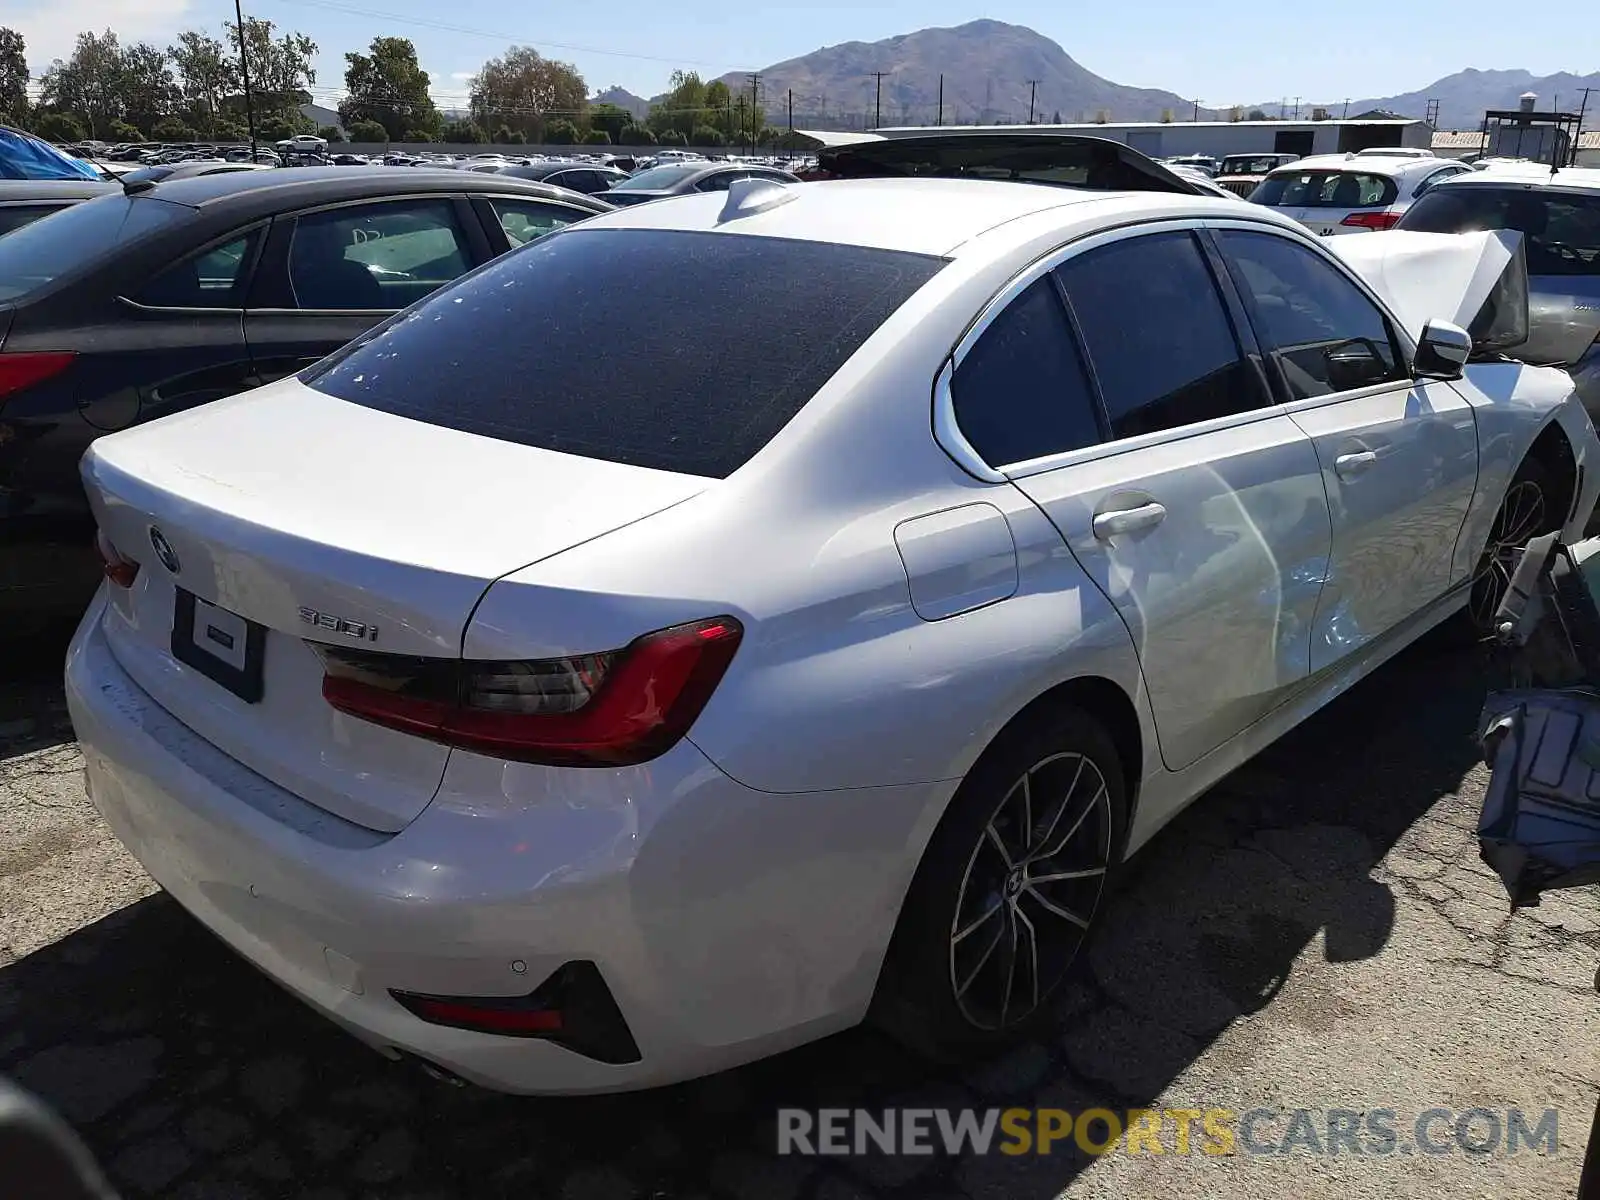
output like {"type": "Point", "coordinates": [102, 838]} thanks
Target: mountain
{"type": "Point", "coordinates": [1464, 96]}
{"type": "Point", "coordinates": [623, 98]}
{"type": "Point", "coordinates": [987, 67]}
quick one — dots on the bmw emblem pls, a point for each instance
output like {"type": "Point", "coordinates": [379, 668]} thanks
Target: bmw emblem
{"type": "Point", "coordinates": [164, 550]}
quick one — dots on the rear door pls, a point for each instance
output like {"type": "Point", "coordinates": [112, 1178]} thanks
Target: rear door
{"type": "Point", "coordinates": [1399, 456]}
{"type": "Point", "coordinates": [330, 274]}
{"type": "Point", "coordinates": [1201, 514]}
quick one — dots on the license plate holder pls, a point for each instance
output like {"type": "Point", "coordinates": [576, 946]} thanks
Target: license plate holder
{"type": "Point", "coordinates": [223, 646]}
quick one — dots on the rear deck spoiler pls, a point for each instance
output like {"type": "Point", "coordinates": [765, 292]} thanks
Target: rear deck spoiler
{"type": "Point", "coordinates": [1061, 159]}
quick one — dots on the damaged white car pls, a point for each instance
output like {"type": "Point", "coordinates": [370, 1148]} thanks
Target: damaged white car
{"type": "Point", "coordinates": [609, 723]}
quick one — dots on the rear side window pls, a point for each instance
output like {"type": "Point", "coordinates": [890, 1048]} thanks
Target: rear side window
{"type": "Point", "coordinates": [15, 216]}
{"type": "Point", "coordinates": [210, 279]}
{"type": "Point", "coordinates": [1325, 189]}
{"type": "Point", "coordinates": [1158, 335]}
{"type": "Point", "coordinates": [1561, 230]}
{"type": "Point", "coordinates": [650, 347]}
{"type": "Point", "coordinates": [1021, 391]}
{"type": "Point", "coordinates": [76, 238]}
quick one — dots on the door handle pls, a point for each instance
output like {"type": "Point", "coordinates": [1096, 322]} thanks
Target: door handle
{"type": "Point", "coordinates": [1348, 466]}
{"type": "Point", "coordinates": [1128, 520]}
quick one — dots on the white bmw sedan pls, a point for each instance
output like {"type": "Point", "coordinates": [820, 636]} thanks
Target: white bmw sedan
{"type": "Point", "coordinates": [732, 617]}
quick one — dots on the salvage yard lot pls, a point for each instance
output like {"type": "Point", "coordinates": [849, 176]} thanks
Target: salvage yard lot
{"type": "Point", "coordinates": [1317, 932]}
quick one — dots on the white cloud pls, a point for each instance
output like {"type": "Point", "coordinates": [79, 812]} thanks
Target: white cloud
{"type": "Point", "coordinates": [51, 29]}
{"type": "Point", "coordinates": [463, 75]}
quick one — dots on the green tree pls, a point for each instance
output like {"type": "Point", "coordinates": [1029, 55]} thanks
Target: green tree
{"type": "Point", "coordinates": [507, 136]}
{"type": "Point", "coordinates": [331, 133]}
{"type": "Point", "coordinates": [13, 75]}
{"type": "Point", "coordinates": [707, 135]}
{"type": "Point", "coordinates": [121, 131]}
{"type": "Point", "coordinates": [467, 133]}
{"type": "Point", "coordinates": [205, 76]}
{"type": "Point", "coordinates": [636, 135]}
{"type": "Point", "coordinates": [560, 133]}
{"type": "Point", "coordinates": [611, 118]}
{"type": "Point", "coordinates": [672, 138]}
{"type": "Point", "coordinates": [147, 88]}
{"type": "Point", "coordinates": [597, 137]}
{"type": "Point", "coordinates": [769, 136]}
{"type": "Point", "coordinates": [523, 90]}
{"type": "Point", "coordinates": [679, 110]}
{"type": "Point", "coordinates": [58, 127]}
{"type": "Point", "coordinates": [281, 73]}
{"type": "Point", "coordinates": [172, 129]}
{"type": "Point", "coordinates": [284, 125]}
{"type": "Point", "coordinates": [88, 84]}
{"type": "Point", "coordinates": [417, 135]}
{"type": "Point", "coordinates": [390, 86]}
{"type": "Point", "coordinates": [718, 111]}
{"type": "Point", "coordinates": [1255, 114]}
{"type": "Point", "coordinates": [367, 131]}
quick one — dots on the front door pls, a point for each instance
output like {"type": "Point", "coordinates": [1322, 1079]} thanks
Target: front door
{"type": "Point", "coordinates": [1399, 457]}
{"type": "Point", "coordinates": [1202, 516]}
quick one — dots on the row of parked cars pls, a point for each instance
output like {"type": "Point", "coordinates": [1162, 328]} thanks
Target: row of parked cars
{"type": "Point", "coordinates": [442, 675]}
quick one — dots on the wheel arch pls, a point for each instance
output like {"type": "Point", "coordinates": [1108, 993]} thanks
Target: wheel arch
{"type": "Point", "coordinates": [1553, 451]}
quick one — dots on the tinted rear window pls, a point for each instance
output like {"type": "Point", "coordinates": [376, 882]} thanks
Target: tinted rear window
{"type": "Point", "coordinates": [1325, 189]}
{"type": "Point", "coordinates": [15, 216]}
{"type": "Point", "coordinates": [680, 351]}
{"type": "Point", "coordinates": [58, 245]}
{"type": "Point", "coordinates": [1561, 230]}
{"type": "Point", "coordinates": [661, 177]}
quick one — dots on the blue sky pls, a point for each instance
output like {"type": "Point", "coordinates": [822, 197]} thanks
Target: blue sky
{"type": "Point", "coordinates": [1256, 53]}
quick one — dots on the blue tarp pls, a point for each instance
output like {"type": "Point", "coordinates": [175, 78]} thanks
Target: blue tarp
{"type": "Point", "coordinates": [23, 156]}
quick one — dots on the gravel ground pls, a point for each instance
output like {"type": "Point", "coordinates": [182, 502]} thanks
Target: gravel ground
{"type": "Point", "coordinates": [1316, 933]}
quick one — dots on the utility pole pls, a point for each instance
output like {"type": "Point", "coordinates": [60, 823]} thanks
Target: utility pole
{"type": "Point", "coordinates": [1033, 90]}
{"type": "Point", "coordinates": [1346, 116]}
{"type": "Point", "coordinates": [1297, 108]}
{"type": "Point", "coordinates": [791, 110]}
{"type": "Point", "coordinates": [1577, 134]}
{"type": "Point", "coordinates": [877, 117]}
{"type": "Point", "coordinates": [1197, 110]}
{"type": "Point", "coordinates": [755, 83]}
{"type": "Point", "coordinates": [244, 73]}
{"type": "Point", "coordinates": [940, 119]}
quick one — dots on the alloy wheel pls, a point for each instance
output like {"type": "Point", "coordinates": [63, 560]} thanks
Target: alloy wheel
{"type": "Point", "coordinates": [1521, 516]}
{"type": "Point", "coordinates": [1032, 885]}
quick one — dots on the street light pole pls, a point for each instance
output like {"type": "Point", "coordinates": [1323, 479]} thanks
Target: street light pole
{"type": "Point", "coordinates": [244, 74]}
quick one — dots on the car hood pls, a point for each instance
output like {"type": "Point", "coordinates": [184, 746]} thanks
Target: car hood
{"type": "Point", "coordinates": [1475, 280]}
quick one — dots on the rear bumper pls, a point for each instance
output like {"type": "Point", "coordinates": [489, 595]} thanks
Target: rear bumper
{"type": "Point", "coordinates": [728, 924]}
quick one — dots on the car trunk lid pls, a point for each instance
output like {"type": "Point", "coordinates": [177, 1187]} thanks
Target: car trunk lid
{"type": "Point", "coordinates": [286, 516]}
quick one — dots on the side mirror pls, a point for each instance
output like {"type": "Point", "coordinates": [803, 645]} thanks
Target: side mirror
{"type": "Point", "coordinates": [1442, 351]}
{"type": "Point", "coordinates": [1354, 364]}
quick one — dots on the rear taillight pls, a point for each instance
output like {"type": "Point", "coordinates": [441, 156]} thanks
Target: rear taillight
{"type": "Point", "coordinates": [593, 710]}
{"type": "Point", "coordinates": [121, 571]}
{"type": "Point", "coordinates": [23, 370]}
{"type": "Point", "coordinates": [1381, 219]}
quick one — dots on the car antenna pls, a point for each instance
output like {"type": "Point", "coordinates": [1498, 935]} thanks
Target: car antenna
{"type": "Point", "coordinates": [132, 187]}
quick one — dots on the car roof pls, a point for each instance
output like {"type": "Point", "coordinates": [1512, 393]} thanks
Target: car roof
{"type": "Point", "coordinates": [925, 215]}
{"type": "Point", "coordinates": [329, 185]}
{"type": "Point", "coordinates": [1367, 164]}
{"type": "Point", "coordinates": [55, 189]}
{"type": "Point", "coordinates": [1530, 174]}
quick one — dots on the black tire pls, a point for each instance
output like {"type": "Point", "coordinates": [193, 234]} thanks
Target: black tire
{"type": "Point", "coordinates": [1075, 779]}
{"type": "Point", "coordinates": [1525, 512]}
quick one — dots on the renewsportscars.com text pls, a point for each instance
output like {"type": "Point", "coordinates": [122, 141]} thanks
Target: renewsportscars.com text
{"type": "Point", "coordinates": [1211, 1131]}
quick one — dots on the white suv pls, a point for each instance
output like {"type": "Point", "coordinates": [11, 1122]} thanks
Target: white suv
{"type": "Point", "coordinates": [1353, 193]}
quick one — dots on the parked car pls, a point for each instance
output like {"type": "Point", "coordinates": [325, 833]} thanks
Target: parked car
{"type": "Point", "coordinates": [685, 179]}
{"type": "Point", "coordinates": [1558, 215]}
{"type": "Point", "coordinates": [1203, 163]}
{"type": "Point", "coordinates": [187, 170]}
{"type": "Point", "coordinates": [1352, 193]}
{"type": "Point", "coordinates": [23, 201]}
{"type": "Point", "coordinates": [1203, 182]}
{"type": "Point", "coordinates": [590, 178]}
{"type": "Point", "coordinates": [581, 721]}
{"type": "Point", "coordinates": [1243, 173]}
{"type": "Point", "coordinates": [128, 307]}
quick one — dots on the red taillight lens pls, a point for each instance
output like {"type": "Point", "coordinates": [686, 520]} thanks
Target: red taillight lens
{"type": "Point", "coordinates": [1382, 219]}
{"type": "Point", "coordinates": [121, 571]}
{"type": "Point", "coordinates": [613, 709]}
{"type": "Point", "coordinates": [23, 370]}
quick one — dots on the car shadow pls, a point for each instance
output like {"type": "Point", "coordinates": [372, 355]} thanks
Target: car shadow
{"type": "Point", "coordinates": [33, 714]}
{"type": "Point", "coordinates": [188, 1071]}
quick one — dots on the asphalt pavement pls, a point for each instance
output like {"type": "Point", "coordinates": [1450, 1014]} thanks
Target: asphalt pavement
{"type": "Point", "coordinates": [1317, 933]}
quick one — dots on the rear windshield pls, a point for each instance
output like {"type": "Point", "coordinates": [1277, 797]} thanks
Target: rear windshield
{"type": "Point", "coordinates": [676, 350]}
{"type": "Point", "coordinates": [1248, 164]}
{"type": "Point", "coordinates": [1087, 162]}
{"type": "Point", "coordinates": [1325, 189]}
{"type": "Point", "coordinates": [46, 250]}
{"type": "Point", "coordinates": [660, 177]}
{"type": "Point", "coordinates": [1561, 230]}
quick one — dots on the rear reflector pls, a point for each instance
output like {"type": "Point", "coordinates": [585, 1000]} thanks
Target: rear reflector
{"type": "Point", "coordinates": [23, 370]}
{"type": "Point", "coordinates": [573, 1008]}
{"type": "Point", "coordinates": [1382, 219]}
{"type": "Point", "coordinates": [592, 710]}
{"type": "Point", "coordinates": [121, 571]}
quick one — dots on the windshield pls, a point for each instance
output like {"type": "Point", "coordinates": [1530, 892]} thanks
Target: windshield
{"type": "Point", "coordinates": [73, 239]}
{"type": "Point", "coordinates": [1248, 164]}
{"type": "Point", "coordinates": [659, 177]}
{"type": "Point", "coordinates": [697, 383]}
{"type": "Point", "coordinates": [1561, 230]}
{"type": "Point", "coordinates": [1325, 189]}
